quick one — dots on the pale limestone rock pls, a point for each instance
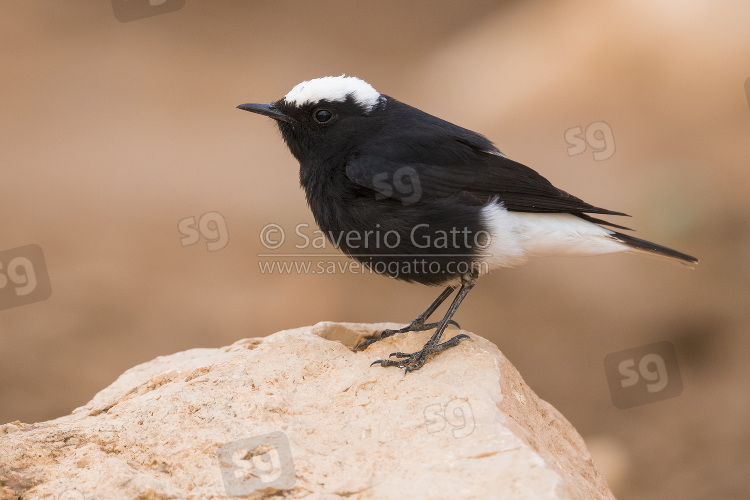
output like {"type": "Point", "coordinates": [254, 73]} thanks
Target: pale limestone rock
{"type": "Point", "coordinates": [464, 426]}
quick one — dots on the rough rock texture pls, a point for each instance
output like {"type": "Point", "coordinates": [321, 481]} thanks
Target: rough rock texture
{"type": "Point", "coordinates": [299, 414]}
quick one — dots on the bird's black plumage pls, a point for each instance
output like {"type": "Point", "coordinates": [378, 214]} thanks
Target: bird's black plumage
{"type": "Point", "coordinates": [401, 180]}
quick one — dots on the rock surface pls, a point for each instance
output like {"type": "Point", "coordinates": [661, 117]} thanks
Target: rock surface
{"type": "Point", "coordinates": [298, 414]}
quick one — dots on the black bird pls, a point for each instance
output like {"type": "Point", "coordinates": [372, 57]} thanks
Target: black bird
{"type": "Point", "coordinates": [423, 200]}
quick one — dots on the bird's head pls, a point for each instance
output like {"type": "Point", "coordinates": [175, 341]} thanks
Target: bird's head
{"type": "Point", "coordinates": [322, 117]}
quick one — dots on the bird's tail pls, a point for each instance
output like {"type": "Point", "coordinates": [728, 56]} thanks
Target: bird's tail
{"type": "Point", "coordinates": [644, 246]}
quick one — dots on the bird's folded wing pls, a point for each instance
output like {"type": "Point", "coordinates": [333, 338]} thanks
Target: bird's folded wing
{"type": "Point", "coordinates": [422, 171]}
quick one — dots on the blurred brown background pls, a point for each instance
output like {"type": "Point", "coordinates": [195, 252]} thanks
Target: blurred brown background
{"type": "Point", "coordinates": [111, 133]}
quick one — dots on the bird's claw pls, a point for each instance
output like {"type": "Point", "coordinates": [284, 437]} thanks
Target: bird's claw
{"type": "Point", "coordinates": [415, 361]}
{"type": "Point", "coordinates": [414, 326]}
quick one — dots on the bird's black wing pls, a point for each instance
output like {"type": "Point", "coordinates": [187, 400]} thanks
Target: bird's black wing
{"type": "Point", "coordinates": [521, 189]}
{"type": "Point", "coordinates": [420, 171]}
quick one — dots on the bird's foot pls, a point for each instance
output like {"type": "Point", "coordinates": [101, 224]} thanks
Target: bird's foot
{"type": "Point", "coordinates": [414, 326]}
{"type": "Point", "coordinates": [415, 361]}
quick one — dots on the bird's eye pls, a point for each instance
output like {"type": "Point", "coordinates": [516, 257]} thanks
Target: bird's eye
{"type": "Point", "coordinates": [323, 115]}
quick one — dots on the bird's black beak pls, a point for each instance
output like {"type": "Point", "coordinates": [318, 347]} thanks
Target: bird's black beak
{"type": "Point", "coordinates": [267, 110]}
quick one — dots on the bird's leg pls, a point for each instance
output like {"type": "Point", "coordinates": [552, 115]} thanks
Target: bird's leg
{"type": "Point", "coordinates": [418, 324]}
{"type": "Point", "coordinates": [415, 361]}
